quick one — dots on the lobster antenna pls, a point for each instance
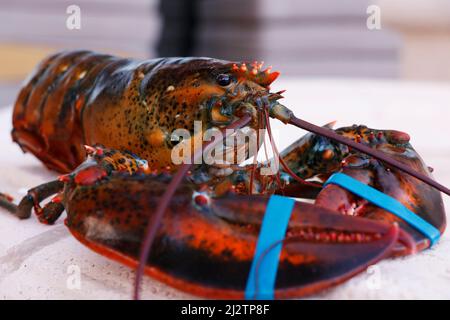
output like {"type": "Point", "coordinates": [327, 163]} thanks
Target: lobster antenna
{"type": "Point", "coordinates": [6, 202]}
{"type": "Point", "coordinates": [367, 150]}
{"type": "Point", "coordinates": [153, 225]}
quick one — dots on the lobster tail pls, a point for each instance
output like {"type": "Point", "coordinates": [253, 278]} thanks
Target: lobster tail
{"type": "Point", "coordinates": [46, 116]}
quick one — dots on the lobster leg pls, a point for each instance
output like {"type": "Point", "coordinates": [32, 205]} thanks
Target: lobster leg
{"type": "Point", "coordinates": [6, 202]}
{"type": "Point", "coordinates": [51, 211]}
{"type": "Point", "coordinates": [32, 199]}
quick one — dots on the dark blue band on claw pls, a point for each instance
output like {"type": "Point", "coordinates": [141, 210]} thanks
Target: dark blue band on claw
{"type": "Point", "coordinates": [273, 230]}
{"type": "Point", "coordinates": [387, 203]}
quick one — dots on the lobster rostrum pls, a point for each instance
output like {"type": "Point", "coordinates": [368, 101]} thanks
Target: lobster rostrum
{"type": "Point", "coordinates": [201, 223]}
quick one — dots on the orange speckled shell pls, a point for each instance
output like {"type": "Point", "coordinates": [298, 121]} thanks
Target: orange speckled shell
{"type": "Point", "coordinates": [81, 97]}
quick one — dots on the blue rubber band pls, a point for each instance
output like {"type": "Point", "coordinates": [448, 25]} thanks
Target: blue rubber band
{"type": "Point", "coordinates": [273, 229]}
{"type": "Point", "coordinates": [387, 203]}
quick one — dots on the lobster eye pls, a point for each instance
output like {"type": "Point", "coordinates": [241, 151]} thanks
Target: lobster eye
{"type": "Point", "coordinates": [223, 80]}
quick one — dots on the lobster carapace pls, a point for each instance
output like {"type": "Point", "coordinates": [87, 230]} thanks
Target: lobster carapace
{"type": "Point", "coordinates": [83, 98]}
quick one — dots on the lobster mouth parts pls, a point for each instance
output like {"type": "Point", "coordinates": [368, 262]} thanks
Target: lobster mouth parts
{"type": "Point", "coordinates": [236, 148]}
{"type": "Point", "coordinates": [243, 143]}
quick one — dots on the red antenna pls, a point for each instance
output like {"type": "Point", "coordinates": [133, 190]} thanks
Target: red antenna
{"type": "Point", "coordinates": [367, 150]}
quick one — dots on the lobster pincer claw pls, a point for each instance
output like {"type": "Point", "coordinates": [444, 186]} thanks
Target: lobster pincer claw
{"type": "Point", "coordinates": [420, 199]}
{"type": "Point", "coordinates": [322, 248]}
{"type": "Point", "coordinates": [207, 247]}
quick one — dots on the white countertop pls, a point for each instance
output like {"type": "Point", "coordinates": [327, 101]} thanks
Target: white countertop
{"type": "Point", "coordinates": [36, 260]}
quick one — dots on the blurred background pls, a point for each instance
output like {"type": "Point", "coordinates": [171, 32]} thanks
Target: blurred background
{"type": "Point", "coordinates": [307, 38]}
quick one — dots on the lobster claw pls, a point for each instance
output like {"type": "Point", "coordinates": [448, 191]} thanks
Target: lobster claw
{"type": "Point", "coordinates": [207, 247]}
{"type": "Point", "coordinates": [419, 197]}
{"type": "Point", "coordinates": [322, 248]}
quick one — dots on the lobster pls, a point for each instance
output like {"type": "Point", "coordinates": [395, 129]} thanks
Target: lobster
{"type": "Point", "coordinates": [106, 123]}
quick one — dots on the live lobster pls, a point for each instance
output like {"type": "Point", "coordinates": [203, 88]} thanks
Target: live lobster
{"type": "Point", "coordinates": [202, 221]}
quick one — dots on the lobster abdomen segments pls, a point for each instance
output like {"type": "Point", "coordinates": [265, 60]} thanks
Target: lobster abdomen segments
{"type": "Point", "coordinates": [46, 118]}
